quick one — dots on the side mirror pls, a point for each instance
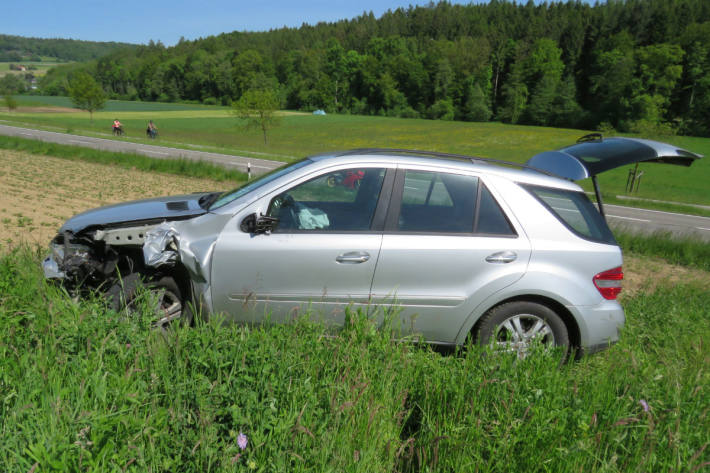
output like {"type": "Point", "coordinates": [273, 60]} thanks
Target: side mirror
{"type": "Point", "coordinates": [261, 224]}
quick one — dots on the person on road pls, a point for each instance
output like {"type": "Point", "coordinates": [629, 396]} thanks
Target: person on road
{"type": "Point", "coordinates": [117, 127]}
{"type": "Point", "coordinates": [152, 130]}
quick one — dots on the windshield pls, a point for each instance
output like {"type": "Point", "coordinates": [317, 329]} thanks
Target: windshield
{"type": "Point", "coordinates": [231, 196]}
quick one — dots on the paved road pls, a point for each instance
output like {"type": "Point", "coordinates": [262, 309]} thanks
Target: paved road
{"type": "Point", "coordinates": [639, 220]}
{"type": "Point", "coordinates": [258, 166]}
{"type": "Point", "coordinates": [649, 221]}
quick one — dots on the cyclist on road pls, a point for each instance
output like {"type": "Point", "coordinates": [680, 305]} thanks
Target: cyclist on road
{"type": "Point", "coordinates": [117, 127]}
{"type": "Point", "coordinates": [152, 130]}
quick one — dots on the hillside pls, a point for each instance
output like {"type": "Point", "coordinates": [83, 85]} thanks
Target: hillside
{"type": "Point", "coordinates": [635, 65]}
{"type": "Point", "coordinates": [18, 48]}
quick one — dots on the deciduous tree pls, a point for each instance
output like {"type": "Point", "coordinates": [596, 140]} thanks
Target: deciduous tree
{"type": "Point", "coordinates": [258, 107]}
{"type": "Point", "coordinates": [86, 94]}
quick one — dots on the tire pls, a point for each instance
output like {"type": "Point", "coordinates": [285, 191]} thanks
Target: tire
{"type": "Point", "coordinates": [170, 309]}
{"type": "Point", "coordinates": [516, 326]}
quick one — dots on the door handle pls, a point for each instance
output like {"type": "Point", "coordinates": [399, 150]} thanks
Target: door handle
{"type": "Point", "coordinates": [502, 257]}
{"type": "Point", "coordinates": [353, 257]}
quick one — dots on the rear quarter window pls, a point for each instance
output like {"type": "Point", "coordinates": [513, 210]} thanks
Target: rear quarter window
{"type": "Point", "coordinates": [575, 211]}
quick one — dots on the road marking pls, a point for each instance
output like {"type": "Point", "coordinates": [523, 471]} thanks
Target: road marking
{"type": "Point", "coordinates": [629, 218]}
{"type": "Point", "coordinates": [154, 152]}
{"type": "Point", "coordinates": [657, 211]}
{"type": "Point", "coordinates": [703, 228]}
{"type": "Point", "coordinates": [79, 141]}
{"type": "Point", "coordinates": [27, 134]}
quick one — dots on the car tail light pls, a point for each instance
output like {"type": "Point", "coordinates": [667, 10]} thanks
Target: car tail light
{"type": "Point", "coordinates": [608, 283]}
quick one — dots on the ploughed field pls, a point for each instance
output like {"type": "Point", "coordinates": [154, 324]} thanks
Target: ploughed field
{"type": "Point", "coordinates": [83, 388]}
{"type": "Point", "coordinates": [38, 193]}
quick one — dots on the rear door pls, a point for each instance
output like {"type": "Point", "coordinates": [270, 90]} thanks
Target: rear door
{"type": "Point", "coordinates": [447, 246]}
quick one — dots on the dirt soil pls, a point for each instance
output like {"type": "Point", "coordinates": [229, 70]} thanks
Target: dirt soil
{"type": "Point", "coordinates": [38, 193]}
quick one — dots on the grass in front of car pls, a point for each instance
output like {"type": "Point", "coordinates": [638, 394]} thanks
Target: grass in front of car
{"type": "Point", "coordinates": [298, 135]}
{"type": "Point", "coordinates": [82, 388]}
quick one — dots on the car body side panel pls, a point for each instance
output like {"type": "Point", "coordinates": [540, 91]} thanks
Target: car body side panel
{"type": "Point", "coordinates": [436, 281]}
{"type": "Point", "coordinates": [561, 267]}
{"type": "Point", "coordinates": [281, 275]}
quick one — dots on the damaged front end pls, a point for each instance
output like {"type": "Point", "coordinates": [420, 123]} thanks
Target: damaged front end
{"type": "Point", "coordinates": [95, 249]}
{"type": "Point", "coordinates": [93, 258]}
{"type": "Point", "coordinates": [170, 257]}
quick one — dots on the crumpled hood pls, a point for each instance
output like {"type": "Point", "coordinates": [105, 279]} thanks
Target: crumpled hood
{"type": "Point", "coordinates": [160, 208]}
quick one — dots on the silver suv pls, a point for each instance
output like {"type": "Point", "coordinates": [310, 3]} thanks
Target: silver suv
{"type": "Point", "coordinates": [462, 246]}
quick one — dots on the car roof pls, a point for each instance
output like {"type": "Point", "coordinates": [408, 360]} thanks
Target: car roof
{"type": "Point", "coordinates": [516, 172]}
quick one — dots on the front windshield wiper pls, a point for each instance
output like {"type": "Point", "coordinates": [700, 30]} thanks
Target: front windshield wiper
{"type": "Point", "coordinates": [206, 200]}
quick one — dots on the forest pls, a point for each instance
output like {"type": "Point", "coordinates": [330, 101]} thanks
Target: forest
{"type": "Point", "coordinates": [18, 48]}
{"type": "Point", "coordinates": [630, 65]}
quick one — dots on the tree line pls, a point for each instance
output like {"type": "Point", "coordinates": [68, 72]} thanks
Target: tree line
{"type": "Point", "coordinates": [634, 65]}
{"type": "Point", "coordinates": [19, 48]}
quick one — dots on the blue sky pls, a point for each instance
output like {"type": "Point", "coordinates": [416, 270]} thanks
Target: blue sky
{"type": "Point", "coordinates": [161, 20]}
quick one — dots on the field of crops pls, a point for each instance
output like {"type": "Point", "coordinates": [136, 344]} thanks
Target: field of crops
{"type": "Point", "coordinates": [297, 135]}
{"type": "Point", "coordinates": [38, 193]}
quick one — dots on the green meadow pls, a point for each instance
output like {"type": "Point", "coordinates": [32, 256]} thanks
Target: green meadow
{"type": "Point", "coordinates": [83, 388]}
{"type": "Point", "coordinates": [299, 134]}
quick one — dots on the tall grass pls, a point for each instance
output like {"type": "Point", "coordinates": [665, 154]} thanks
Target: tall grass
{"type": "Point", "coordinates": [182, 167]}
{"type": "Point", "coordinates": [86, 389]}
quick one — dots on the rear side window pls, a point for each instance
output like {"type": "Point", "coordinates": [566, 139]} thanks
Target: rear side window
{"type": "Point", "coordinates": [437, 202]}
{"type": "Point", "coordinates": [576, 211]}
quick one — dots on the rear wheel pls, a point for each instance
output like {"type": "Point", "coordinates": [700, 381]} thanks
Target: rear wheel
{"type": "Point", "coordinates": [163, 295]}
{"type": "Point", "coordinates": [519, 326]}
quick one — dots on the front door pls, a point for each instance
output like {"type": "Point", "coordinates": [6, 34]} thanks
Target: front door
{"type": "Point", "coordinates": [320, 258]}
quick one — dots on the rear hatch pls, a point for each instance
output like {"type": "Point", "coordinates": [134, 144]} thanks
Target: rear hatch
{"type": "Point", "coordinates": [594, 154]}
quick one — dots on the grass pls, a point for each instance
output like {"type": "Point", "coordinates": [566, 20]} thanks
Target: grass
{"type": "Point", "coordinates": [85, 389]}
{"type": "Point", "coordinates": [181, 167]}
{"type": "Point", "coordinates": [212, 127]}
{"type": "Point", "coordinates": [683, 251]}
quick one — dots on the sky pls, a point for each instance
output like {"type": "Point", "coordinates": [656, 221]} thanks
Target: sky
{"type": "Point", "coordinates": [132, 21]}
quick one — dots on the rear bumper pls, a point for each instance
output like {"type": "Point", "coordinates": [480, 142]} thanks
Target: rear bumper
{"type": "Point", "coordinates": [599, 325]}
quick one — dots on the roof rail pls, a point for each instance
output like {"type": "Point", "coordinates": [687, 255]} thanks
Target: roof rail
{"type": "Point", "coordinates": [437, 154]}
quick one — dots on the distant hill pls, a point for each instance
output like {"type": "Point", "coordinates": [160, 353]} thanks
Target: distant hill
{"type": "Point", "coordinates": [633, 65]}
{"type": "Point", "coordinates": [19, 48]}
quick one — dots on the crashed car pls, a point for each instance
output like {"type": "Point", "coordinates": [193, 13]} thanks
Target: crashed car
{"type": "Point", "coordinates": [465, 247]}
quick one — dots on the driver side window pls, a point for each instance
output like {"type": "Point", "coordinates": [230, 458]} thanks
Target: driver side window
{"type": "Point", "coordinates": [343, 200]}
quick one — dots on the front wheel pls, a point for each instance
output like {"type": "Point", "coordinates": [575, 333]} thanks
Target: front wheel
{"type": "Point", "coordinates": [518, 326]}
{"type": "Point", "coordinates": [162, 294]}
